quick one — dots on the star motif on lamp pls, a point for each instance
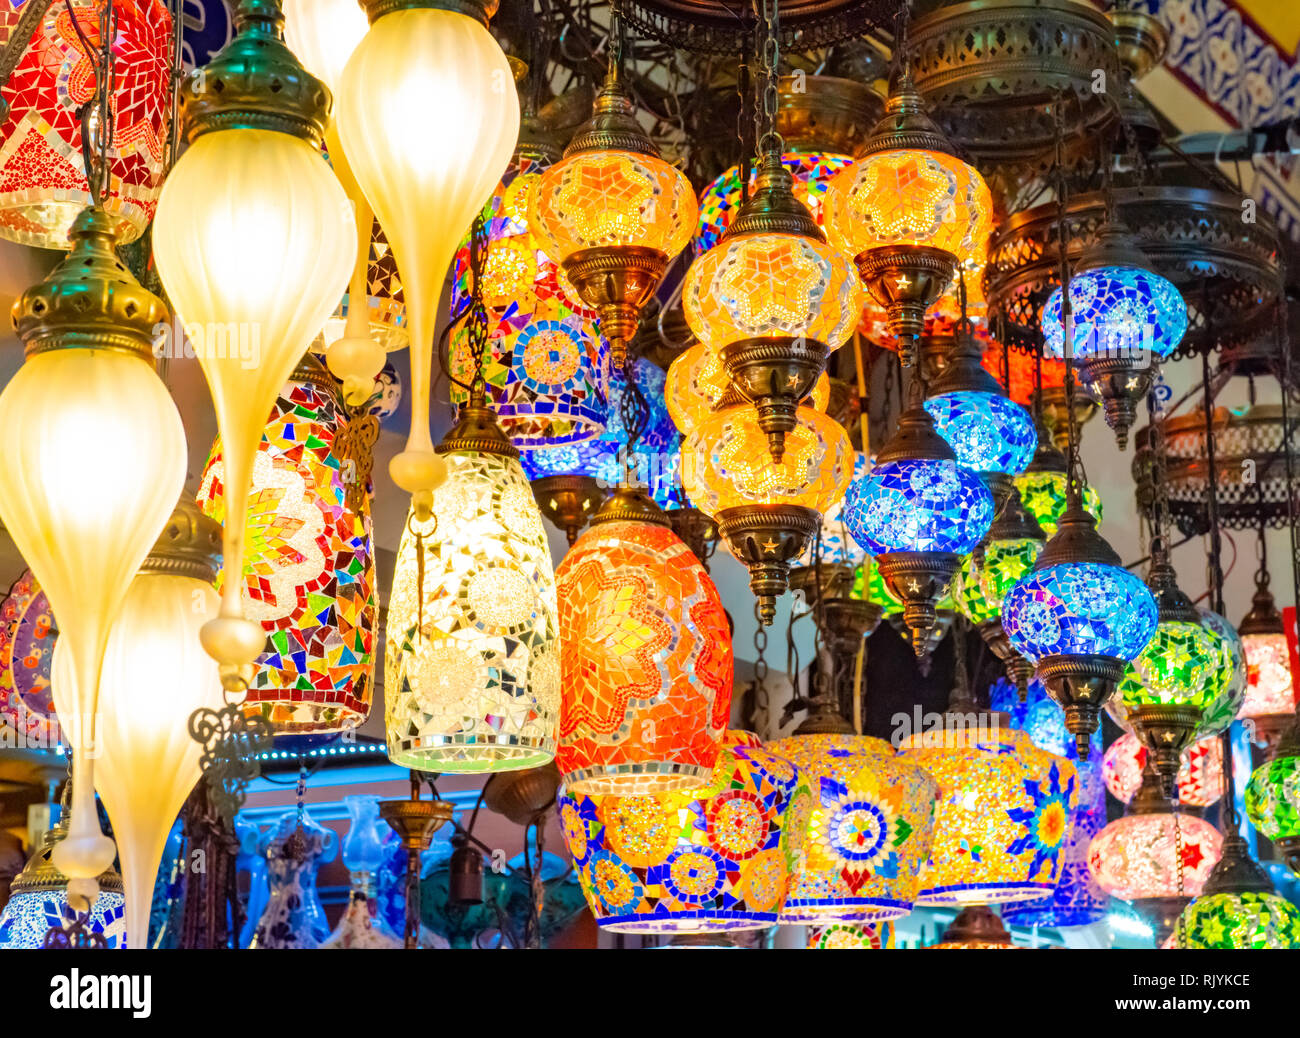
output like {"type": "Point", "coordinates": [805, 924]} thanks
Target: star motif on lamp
{"type": "Point", "coordinates": [624, 189]}
{"type": "Point", "coordinates": [770, 546]}
{"type": "Point", "coordinates": [771, 283]}
{"type": "Point", "coordinates": [904, 195]}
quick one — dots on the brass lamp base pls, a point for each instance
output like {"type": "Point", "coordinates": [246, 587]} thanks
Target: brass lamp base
{"type": "Point", "coordinates": [1081, 684]}
{"type": "Point", "coordinates": [1117, 383]}
{"type": "Point", "coordinates": [906, 280]}
{"type": "Point", "coordinates": [568, 501]}
{"type": "Point", "coordinates": [1162, 913]}
{"type": "Point", "coordinates": [822, 583]}
{"type": "Point", "coordinates": [766, 538]}
{"type": "Point", "coordinates": [1289, 846]}
{"type": "Point", "coordinates": [617, 281]}
{"type": "Point", "coordinates": [1166, 731]}
{"type": "Point", "coordinates": [776, 374]}
{"type": "Point", "coordinates": [698, 530]}
{"type": "Point", "coordinates": [920, 579]}
{"type": "Point", "coordinates": [1019, 670]}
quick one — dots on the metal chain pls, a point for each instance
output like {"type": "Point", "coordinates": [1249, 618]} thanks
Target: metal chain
{"type": "Point", "coordinates": [742, 97]}
{"type": "Point", "coordinates": [761, 707]}
{"type": "Point", "coordinates": [1160, 529]}
{"type": "Point", "coordinates": [615, 44]}
{"type": "Point", "coordinates": [1073, 483]}
{"type": "Point", "coordinates": [97, 117]}
{"type": "Point", "coordinates": [476, 322]}
{"type": "Point", "coordinates": [1215, 581]}
{"type": "Point", "coordinates": [1288, 452]}
{"type": "Point", "coordinates": [1178, 850]}
{"type": "Point", "coordinates": [770, 141]}
{"type": "Point", "coordinates": [634, 410]}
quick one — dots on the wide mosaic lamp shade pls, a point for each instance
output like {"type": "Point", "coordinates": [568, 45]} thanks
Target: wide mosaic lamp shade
{"type": "Point", "coordinates": [471, 661]}
{"type": "Point", "coordinates": [705, 861]}
{"type": "Point", "coordinates": [1117, 310]}
{"type": "Point", "coordinates": [646, 657]}
{"type": "Point", "coordinates": [988, 433]}
{"type": "Point", "coordinates": [1136, 857]}
{"type": "Point", "coordinates": [42, 170]}
{"type": "Point", "coordinates": [309, 571]}
{"type": "Point", "coordinates": [918, 505]}
{"type": "Point", "coordinates": [861, 835]}
{"type": "Point", "coordinates": [1003, 817]}
{"type": "Point", "coordinates": [1247, 920]}
{"type": "Point", "coordinates": [1043, 494]}
{"type": "Point", "coordinates": [545, 361]}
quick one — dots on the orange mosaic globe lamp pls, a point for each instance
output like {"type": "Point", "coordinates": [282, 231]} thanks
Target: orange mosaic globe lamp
{"type": "Point", "coordinates": [645, 651]}
{"type": "Point", "coordinates": [43, 183]}
{"type": "Point", "coordinates": [766, 510]}
{"type": "Point", "coordinates": [774, 299]}
{"type": "Point", "coordinates": [698, 380]}
{"type": "Point", "coordinates": [862, 835]}
{"type": "Point", "coordinates": [1003, 820]}
{"type": "Point", "coordinates": [910, 212]}
{"type": "Point", "coordinates": [613, 214]}
{"type": "Point", "coordinates": [706, 861]}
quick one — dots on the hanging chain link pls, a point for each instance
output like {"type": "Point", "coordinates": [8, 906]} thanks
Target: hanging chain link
{"type": "Point", "coordinates": [97, 117]}
{"type": "Point", "coordinates": [769, 140]}
{"type": "Point", "coordinates": [761, 698]}
{"type": "Point", "coordinates": [1074, 480]}
{"type": "Point", "coordinates": [1160, 519]}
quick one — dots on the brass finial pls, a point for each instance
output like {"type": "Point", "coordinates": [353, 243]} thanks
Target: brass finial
{"type": "Point", "coordinates": [90, 300]}
{"type": "Point", "coordinates": [255, 82]}
{"type": "Point", "coordinates": [612, 126]}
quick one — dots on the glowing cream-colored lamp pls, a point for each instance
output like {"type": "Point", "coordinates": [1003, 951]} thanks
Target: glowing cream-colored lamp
{"type": "Point", "coordinates": [428, 116]}
{"type": "Point", "coordinates": [254, 241]}
{"type": "Point", "coordinates": [155, 675]}
{"type": "Point", "coordinates": [323, 34]}
{"type": "Point", "coordinates": [93, 460]}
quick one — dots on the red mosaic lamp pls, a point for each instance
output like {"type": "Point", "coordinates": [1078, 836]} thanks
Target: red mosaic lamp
{"type": "Point", "coordinates": [42, 173]}
{"type": "Point", "coordinates": [309, 574]}
{"type": "Point", "coordinates": [646, 658]}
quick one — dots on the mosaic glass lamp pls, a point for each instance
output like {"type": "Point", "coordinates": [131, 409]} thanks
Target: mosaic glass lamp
{"type": "Point", "coordinates": [471, 660]}
{"type": "Point", "coordinates": [1136, 858]}
{"type": "Point", "coordinates": [545, 362]}
{"type": "Point", "coordinates": [38, 900]}
{"type": "Point", "coordinates": [42, 170]}
{"type": "Point", "coordinates": [710, 860]}
{"type": "Point", "coordinates": [1124, 314]}
{"type": "Point", "coordinates": [28, 635]}
{"type": "Point", "coordinates": [766, 510]}
{"type": "Point", "coordinates": [613, 214]}
{"type": "Point", "coordinates": [850, 936]}
{"type": "Point", "coordinates": [1186, 682]}
{"type": "Point", "coordinates": [774, 299]}
{"type": "Point", "coordinates": [1239, 908]}
{"type": "Point", "coordinates": [1200, 776]}
{"type": "Point", "coordinates": [1080, 617]}
{"type": "Point", "coordinates": [1273, 800]}
{"type": "Point", "coordinates": [1003, 818]}
{"type": "Point", "coordinates": [1009, 552]}
{"type": "Point", "coordinates": [698, 380]}
{"type": "Point", "coordinates": [1043, 484]}
{"type": "Point", "coordinates": [918, 512]}
{"type": "Point", "coordinates": [862, 832]}
{"type": "Point", "coordinates": [1269, 706]}
{"type": "Point", "coordinates": [309, 569]}
{"type": "Point", "coordinates": [990, 434]}
{"type": "Point", "coordinates": [910, 213]}
{"type": "Point", "coordinates": [645, 656]}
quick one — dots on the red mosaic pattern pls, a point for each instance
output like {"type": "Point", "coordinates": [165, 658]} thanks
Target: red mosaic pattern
{"type": "Point", "coordinates": [309, 571]}
{"type": "Point", "coordinates": [42, 177]}
{"type": "Point", "coordinates": [646, 663]}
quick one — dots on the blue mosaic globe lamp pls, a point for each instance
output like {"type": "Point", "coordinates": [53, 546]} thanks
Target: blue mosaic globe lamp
{"type": "Point", "coordinates": [992, 436]}
{"type": "Point", "coordinates": [1080, 616]}
{"type": "Point", "coordinates": [1125, 317]}
{"type": "Point", "coordinates": [918, 512]}
{"type": "Point", "coordinates": [570, 480]}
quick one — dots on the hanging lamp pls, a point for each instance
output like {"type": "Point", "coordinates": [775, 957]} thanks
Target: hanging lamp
{"type": "Point", "coordinates": [1188, 681]}
{"type": "Point", "coordinates": [918, 513]}
{"type": "Point", "coordinates": [94, 461]}
{"type": "Point", "coordinates": [765, 510]}
{"type": "Point", "coordinates": [909, 211]}
{"type": "Point", "coordinates": [1043, 484]}
{"type": "Point", "coordinates": [646, 658]}
{"type": "Point", "coordinates": [155, 675]}
{"type": "Point", "coordinates": [991, 435]}
{"type": "Point", "coordinates": [774, 299]}
{"type": "Point", "coordinates": [1269, 707]}
{"type": "Point", "coordinates": [708, 860]}
{"type": "Point", "coordinates": [1124, 315]}
{"type": "Point", "coordinates": [612, 212]}
{"type": "Point", "coordinates": [1273, 799]}
{"type": "Point", "coordinates": [1238, 907]}
{"type": "Point", "coordinates": [428, 116]}
{"type": "Point", "coordinates": [1200, 775]}
{"type": "Point", "coordinates": [1010, 549]}
{"type": "Point", "coordinates": [309, 579]}
{"type": "Point", "coordinates": [255, 235]}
